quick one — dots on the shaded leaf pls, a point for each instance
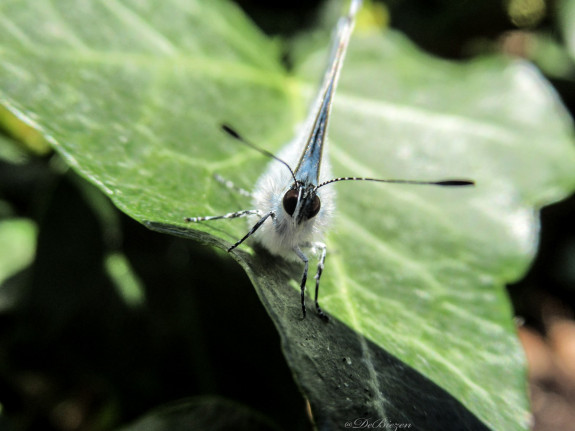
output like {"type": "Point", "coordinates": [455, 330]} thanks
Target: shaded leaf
{"type": "Point", "coordinates": [202, 414]}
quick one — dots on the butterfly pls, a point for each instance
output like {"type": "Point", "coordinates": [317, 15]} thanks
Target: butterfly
{"type": "Point", "coordinates": [292, 207]}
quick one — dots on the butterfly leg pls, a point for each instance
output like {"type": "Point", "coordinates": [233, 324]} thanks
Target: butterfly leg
{"type": "Point", "coordinates": [321, 263]}
{"type": "Point", "coordinates": [236, 214]}
{"type": "Point", "coordinates": [321, 246]}
{"type": "Point", "coordinates": [254, 228]}
{"type": "Point", "coordinates": [230, 185]}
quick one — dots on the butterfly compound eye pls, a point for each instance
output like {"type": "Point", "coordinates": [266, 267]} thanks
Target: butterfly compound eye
{"type": "Point", "coordinates": [290, 201]}
{"type": "Point", "coordinates": [315, 207]}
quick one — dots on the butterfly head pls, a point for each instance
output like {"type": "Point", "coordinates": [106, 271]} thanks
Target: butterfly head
{"type": "Point", "coordinates": [301, 202]}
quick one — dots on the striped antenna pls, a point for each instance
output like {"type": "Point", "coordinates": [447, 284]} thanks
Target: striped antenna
{"type": "Point", "coordinates": [449, 183]}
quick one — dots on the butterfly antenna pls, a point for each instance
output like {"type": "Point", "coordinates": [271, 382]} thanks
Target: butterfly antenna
{"type": "Point", "coordinates": [240, 138]}
{"type": "Point", "coordinates": [448, 183]}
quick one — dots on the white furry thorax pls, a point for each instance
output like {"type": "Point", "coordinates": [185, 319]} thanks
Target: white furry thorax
{"type": "Point", "coordinates": [280, 235]}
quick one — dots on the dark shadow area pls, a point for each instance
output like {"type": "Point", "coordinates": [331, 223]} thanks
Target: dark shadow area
{"type": "Point", "coordinates": [77, 353]}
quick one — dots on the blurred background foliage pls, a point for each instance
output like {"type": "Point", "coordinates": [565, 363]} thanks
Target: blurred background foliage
{"type": "Point", "coordinates": [78, 278]}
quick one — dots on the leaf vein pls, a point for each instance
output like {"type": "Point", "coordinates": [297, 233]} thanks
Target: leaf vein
{"type": "Point", "coordinates": [130, 17]}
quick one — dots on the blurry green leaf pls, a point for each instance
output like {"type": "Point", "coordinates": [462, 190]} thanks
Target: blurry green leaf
{"type": "Point", "coordinates": [552, 57]}
{"type": "Point", "coordinates": [28, 138]}
{"type": "Point", "coordinates": [566, 17]}
{"type": "Point", "coordinates": [135, 102]}
{"type": "Point", "coordinates": [128, 284]}
{"type": "Point", "coordinates": [17, 248]}
{"type": "Point", "coordinates": [17, 245]}
{"type": "Point", "coordinates": [9, 151]}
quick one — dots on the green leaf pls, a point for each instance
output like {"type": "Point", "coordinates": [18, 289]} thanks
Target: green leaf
{"type": "Point", "coordinates": [134, 103]}
{"type": "Point", "coordinates": [17, 246]}
{"type": "Point", "coordinates": [9, 151]}
{"type": "Point", "coordinates": [29, 139]}
{"type": "Point", "coordinates": [565, 18]}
